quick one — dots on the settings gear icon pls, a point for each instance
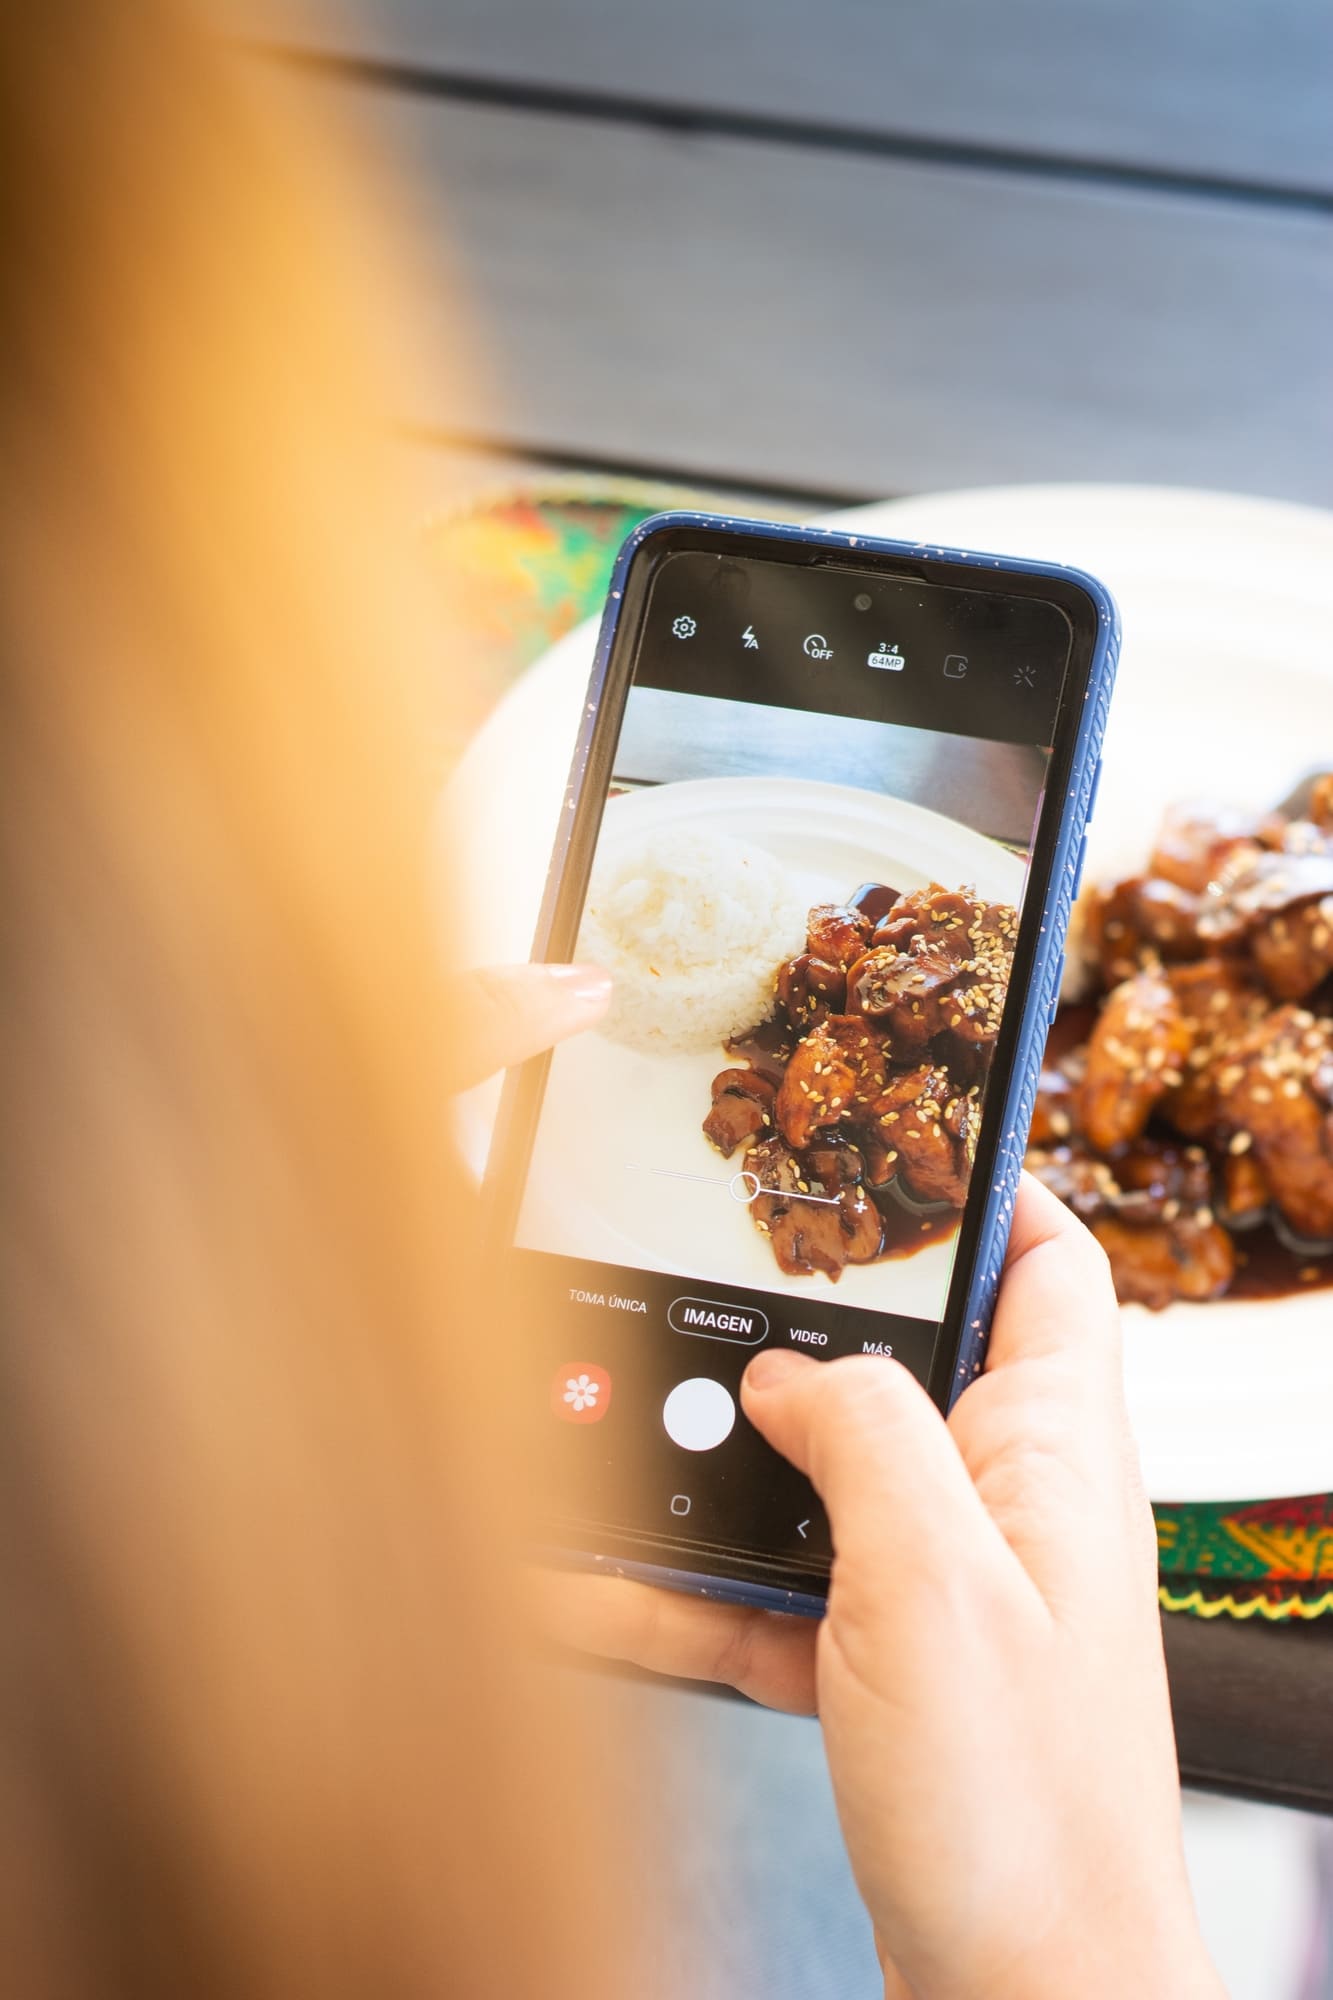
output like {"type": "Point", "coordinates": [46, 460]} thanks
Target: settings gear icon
{"type": "Point", "coordinates": [684, 627]}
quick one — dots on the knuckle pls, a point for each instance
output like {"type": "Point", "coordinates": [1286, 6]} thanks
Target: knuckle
{"type": "Point", "coordinates": [1094, 1255]}
{"type": "Point", "coordinates": [865, 1396]}
{"type": "Point", "coordinates": [863, 1382]}
{"type": "Point", "coordinates": [1090, 1258]}
{"type": "Point", "coordinates": [734, 1662]}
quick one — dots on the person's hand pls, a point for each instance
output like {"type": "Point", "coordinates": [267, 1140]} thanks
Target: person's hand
{"type": "Point", "coordinates": [989, 1676]}
{"type": "Point", "coordinates": [515, 1011]}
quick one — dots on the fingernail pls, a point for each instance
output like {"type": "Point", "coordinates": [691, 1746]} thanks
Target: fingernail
{"type": "Point", "coordinates": [773, 1365]}
{"type": "Point", "coordinates": [587, 983]}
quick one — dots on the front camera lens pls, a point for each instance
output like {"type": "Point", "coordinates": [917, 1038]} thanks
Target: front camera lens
{"type": "Point", "coordinates": [863, 600]}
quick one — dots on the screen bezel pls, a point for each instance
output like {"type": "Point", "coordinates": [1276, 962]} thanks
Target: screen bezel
{"type": "Point", "coordinates": [562, 916]}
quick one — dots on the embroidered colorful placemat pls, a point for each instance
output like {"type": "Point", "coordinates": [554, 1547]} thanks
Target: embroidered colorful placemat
{"type": "Point", "coordinates": [522, 566]}
{"type": "Point", "coordinates": [1270, 1559]}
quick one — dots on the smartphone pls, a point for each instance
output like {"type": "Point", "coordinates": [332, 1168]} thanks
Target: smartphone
{"type": "Point", "coordinates": [825, 824]}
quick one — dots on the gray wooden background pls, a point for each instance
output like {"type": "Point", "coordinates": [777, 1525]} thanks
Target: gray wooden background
{"type": "Point", "coordinates": [866, 246]}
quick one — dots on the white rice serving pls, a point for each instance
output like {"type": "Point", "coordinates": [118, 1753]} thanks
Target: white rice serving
{"type": "Point", "coordinates": [692, 926]}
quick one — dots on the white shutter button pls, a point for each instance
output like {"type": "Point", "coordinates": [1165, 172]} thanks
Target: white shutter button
{"type": "Point", "coordinates": [698, 1414]}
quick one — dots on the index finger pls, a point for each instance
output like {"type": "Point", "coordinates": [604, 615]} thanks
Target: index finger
{"type": "Point", "coordinates": [766, 1655]}
{"type": "Point", "coordinates": [511, 1012]}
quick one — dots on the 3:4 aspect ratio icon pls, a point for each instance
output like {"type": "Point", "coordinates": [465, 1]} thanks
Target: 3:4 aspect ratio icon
{"type": "Point", "coordinates": [887, 657]}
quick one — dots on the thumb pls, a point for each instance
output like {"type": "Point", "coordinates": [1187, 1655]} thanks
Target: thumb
{"type": "Point", "coordinates": [1057, 1298]}
{"type": "Point", "coordinates": [880, 1456]}
{"type": "Point", "coordinates": [515, 1011]}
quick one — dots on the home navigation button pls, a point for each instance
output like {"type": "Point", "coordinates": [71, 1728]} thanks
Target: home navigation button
{"type": "Point", "coordinates": [714, 1319]}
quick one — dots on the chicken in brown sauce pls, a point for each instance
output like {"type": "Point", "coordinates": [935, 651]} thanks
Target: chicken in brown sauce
{"type": "Point", "coordinates": [859, 1113]}
{"type": "Point", "coordinates": [1190, 1118]}
{"type": "Point", "coordinates": [1152, 1213]}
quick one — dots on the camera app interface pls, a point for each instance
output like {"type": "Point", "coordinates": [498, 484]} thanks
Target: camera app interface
{"type": "Point", "coordinates": [807, 884]}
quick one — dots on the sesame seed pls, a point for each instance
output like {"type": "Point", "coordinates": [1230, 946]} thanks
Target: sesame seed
{"type": "Point", "coordinates": [1241, 1142]}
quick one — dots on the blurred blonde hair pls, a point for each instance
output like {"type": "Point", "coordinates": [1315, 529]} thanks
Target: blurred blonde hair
{"type": "Point", "coordinates": [265, 1725]}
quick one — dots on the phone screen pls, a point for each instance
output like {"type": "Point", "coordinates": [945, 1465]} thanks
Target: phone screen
{"type": "Point", "coordinates": [818, 813]}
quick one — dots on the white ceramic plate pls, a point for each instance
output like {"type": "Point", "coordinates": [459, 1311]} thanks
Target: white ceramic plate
{"type": "Point", "coordinates": [615, 1121]}
{"type": "Point", "coordinates": [1226, 687]}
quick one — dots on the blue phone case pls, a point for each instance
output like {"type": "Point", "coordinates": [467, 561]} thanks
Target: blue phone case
{"type": "Point", "coordinates": [1039, 1002]}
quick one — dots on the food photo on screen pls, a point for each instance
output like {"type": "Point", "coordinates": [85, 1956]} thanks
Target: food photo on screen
{"type": "Point", "coordinates": [809, 980]}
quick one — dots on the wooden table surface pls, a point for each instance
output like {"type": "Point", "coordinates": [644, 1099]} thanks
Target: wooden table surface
{"type": "Point", "coordinates": [837, 252]}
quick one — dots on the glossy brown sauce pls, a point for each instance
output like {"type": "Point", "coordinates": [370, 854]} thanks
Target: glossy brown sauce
{"type": "Point", "coordinates": [766, 1048]}
{"type": "Point", "coordinates": [1266, 1268]}
{"type": "Point", "coordinates": [874, 900]}
{"type": "Point", "coordinates": [907, 1230]}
